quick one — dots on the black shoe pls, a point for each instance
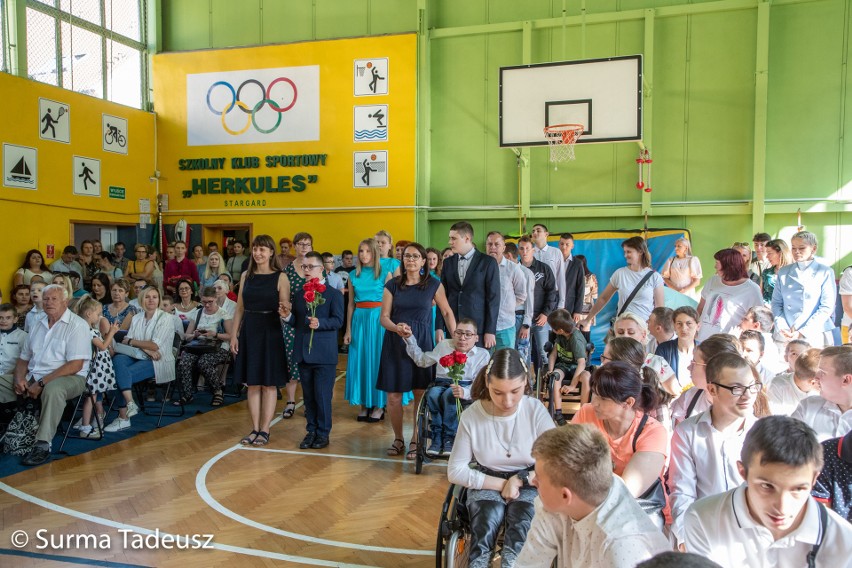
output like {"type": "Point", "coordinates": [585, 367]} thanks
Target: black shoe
{"type": "Point", "coordinates": [320, 442]}
{"type": "Point", "coordinates": [41, 453]}
{"type": "Point", "coordinates": [372, 420]}
{"type": "Point", "coordinates": [308, 441]}
{"type": "Point", "coordinates": [559, 419]}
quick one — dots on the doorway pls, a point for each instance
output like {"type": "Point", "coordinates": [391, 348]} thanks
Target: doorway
{"type": "Point", "coordinates": [225, 234]}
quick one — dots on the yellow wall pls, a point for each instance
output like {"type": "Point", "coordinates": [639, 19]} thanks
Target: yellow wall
{"type": "Point", "coordinates": [333, 226]}
{"type": "Point", "coordinates": [35, 219]}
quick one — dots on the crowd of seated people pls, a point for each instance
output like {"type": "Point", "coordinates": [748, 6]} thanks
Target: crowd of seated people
{"type": "Point", "coordinates": [725, 423]}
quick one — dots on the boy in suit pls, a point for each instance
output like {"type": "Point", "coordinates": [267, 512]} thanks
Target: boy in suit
{"type": "Point", "coordinates": [316, 355]}
{"type": "Point", "coordinates": [472, 282]}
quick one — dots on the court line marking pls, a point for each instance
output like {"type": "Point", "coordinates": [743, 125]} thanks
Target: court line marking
{"type": "Point", "coordinates": [142, 530]}
{"type": "Point", "coordinates": [75, 560]}
{"type": "Point", "coordinates": [201, 488]}
{"type": "Point", "coordinates": [438, 463]}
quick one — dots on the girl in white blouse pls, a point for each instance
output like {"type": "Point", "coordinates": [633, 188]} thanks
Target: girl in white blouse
{"type": "Point", "coordinates": [497, 433]}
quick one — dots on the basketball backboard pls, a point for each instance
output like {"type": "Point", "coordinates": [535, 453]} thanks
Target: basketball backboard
{"type": "Point", "coordinates": [604, 95]}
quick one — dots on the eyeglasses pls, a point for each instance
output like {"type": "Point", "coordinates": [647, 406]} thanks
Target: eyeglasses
{"type": "Point", "coordinates": [694, 362]}
{"type": "Point", "coordinates": [412, 256]}
{"type": "Point", "coordinates": [464, 334]}
{"type": "Point", "coordinates": [308, 267]}
{"type": "Point", "coordinates": [303, 244]}
{"type": "Point", "coordinates": [605, 358]}
{"type": "Point", "coordinates": [741, 244]}
{"type": "Point", "coordinates": [208, 302]}
{"type": "Point", "coordinates": [740, 390]}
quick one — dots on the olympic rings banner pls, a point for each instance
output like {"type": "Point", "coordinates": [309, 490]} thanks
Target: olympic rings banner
{"type": "Point", "coordinates": [253, 106]}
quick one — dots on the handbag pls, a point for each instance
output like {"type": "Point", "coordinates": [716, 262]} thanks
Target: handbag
{"type": "Point", "coordinates": [20, 436]}
{"type": "Point", "coordinates": [653, 500]}
{"type": "Point", "coordinates": [201, 345]}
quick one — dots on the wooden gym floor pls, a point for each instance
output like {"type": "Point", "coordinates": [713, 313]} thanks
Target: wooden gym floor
{"type": "Point", "coordinates": [348, 504]}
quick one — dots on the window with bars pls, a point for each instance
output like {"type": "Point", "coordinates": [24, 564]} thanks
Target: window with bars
{"type": "Point", "coordinates": [95, 47]}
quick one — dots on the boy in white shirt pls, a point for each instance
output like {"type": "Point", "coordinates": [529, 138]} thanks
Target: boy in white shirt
{"type": "Point", "coordinates": [12, 339]}
{"type": "Point", "coordinates": [760, 318]}
{"type": "Point", "coordinates": [441, 398]}
{"type": "Point", "coordinates": [753, 346]}
{"type": "Point", "coordinates": [37, 311]}
{"type": "Point", "coordinates": [707, 446]}
{"type": "Point", "coordinates": [789, 389]}
{"type": "Point", "coordinates": [771, 520]}
{"type": "Point", "coordinates": [830, 414]}
{"type": "Point", "coordinates": [584, 515]}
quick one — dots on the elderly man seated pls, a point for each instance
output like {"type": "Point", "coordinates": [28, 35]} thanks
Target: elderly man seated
{"type": "Point", "coordinates": [53, 365]}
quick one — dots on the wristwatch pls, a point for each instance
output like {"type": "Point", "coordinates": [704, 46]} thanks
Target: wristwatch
{"type": "Point", "coordinates": [525, 326]}
{"type": "Point", "coordinates": [524, 476]}
{"type": "Point", "coordinates": [41, 383]}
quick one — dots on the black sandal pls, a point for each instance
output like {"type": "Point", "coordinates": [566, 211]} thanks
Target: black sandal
{"type": "Point", "coordinates": [218, 399]}
{"type": "Point", "coordinates": [396, 448]}
{"type": "Point", "coordinates": [289, 409]}
{"type": "Point", "coordinates": [183, 401]}
{"type": "Point", "coordinates": [249, 440]}
{"type": "Point", "coordinates": [261, 439]}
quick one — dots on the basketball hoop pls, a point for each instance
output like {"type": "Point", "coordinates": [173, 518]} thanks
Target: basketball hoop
{"type": "Point", "coordinates": [561, 138]}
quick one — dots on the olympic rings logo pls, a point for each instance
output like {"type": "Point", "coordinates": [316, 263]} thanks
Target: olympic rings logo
{"type": "Point", "coordinates": [251, 112]}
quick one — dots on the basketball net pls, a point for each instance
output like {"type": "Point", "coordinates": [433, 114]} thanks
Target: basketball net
{"type": "Point", "coordinates": [561, 138]}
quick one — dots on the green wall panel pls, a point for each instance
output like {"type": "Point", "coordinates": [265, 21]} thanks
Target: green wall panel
{"type": "Point", "coordinates": [341, 19]}
{"type": "Point", "coordinates": [806, 45]}
{"type": "Point", "coordinates": [234, 23]}
{"type": "Point", "coordinates": [186, 25]}
{"type": "Point", "coordinates": [393, 16]}
{"type": "Point", "coordinates": [290, 21]}
{"type": "Point", "coordinates": [452, 13]}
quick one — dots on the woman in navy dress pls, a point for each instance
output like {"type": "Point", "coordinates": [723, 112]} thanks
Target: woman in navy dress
{"type": "Point", "coordinates": [257, 341]}
{"type": "Point", "coordinates": [407, 308]}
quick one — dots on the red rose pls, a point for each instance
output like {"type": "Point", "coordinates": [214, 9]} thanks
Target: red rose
{"type": "Point", "coordinates": [460, 357]}
{"type": "Point", "coordinates": [320, 287]}
{"type": "Point", "coordinates": [310, 285]}
{"type": "Point", "coordinates": [447, 361]}
{"type": "Point", "coordinates": [310, 296]}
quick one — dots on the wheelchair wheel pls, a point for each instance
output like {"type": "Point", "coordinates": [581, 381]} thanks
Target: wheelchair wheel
{"type": "Point", "coordinates": [452, 547]}
{"type": "Point", "coordinates": [551, 396]}
{"type": "Point", "coordinates": [423, 433]}
{"type": "Point", "coordinates": [456, 551]}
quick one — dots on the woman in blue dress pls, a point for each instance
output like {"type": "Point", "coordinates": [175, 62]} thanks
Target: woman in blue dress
{"type": "Point", "coordinates": [364, 332]}
{"type": "Point", "coordinates": [385, 244]}
{"type": "Point", "coordinates": [407, 310]}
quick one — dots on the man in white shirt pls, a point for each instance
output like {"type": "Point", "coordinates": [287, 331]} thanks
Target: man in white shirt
{"type": "Point", "coordinates": [53, 365]}
{"type": "Point", "coordinates": [789, 389]}
{"type": "Point", "coordinates": [830, 414]}
{"type": "Point", "coordinates": [771, 520]}
{"type": "Point", "coordinates": [585, 516]}
{"type": "Point", "coordinates": [66, 262]}
{"type": "Point", "coordinates": [706, 447]}
{"type": "Point", "coordinates": [523, 311]}
{"type": "Point", "coordinates": [551, 256]}
{"type": "Point", "coordinates": [513, 289]}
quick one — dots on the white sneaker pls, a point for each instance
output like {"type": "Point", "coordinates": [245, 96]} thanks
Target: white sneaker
{"type": "Point", "coordinates": [79, 424]}
{"type": "Point", "coordinates": [93, 432]}
{"type": "Point", "coordinates": [132, 409]}
{"type": "Point", "coordinates": [118, 424]}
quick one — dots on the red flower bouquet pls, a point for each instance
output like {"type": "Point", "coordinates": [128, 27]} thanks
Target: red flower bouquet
{"type": "Point", "coordinates": [313, 290]}
{"type": "Point", "coordinates": [454, 363]}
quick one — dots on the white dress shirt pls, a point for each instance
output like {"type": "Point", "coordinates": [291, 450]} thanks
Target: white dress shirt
{"type": "Point", "coordinates": [48, 348]}
{"type": "Point", "coordinates": [477, 358]}
{"type": "Point", "coordinates": [552, 257]}
{"type": "Point", "coordinates": [681, 405]}
{"type": "Point", "coordinates": [513, 291]}
{"type": "Point", "coordinates": [528, 305]}
{"type": "Point", "coordinates": [11, 345]}
{"type": "Point", "coordinates": [464, 263]}
{"type": "Point", "coordinates": [824, 417]}
{"type": "Point", "coordinates": [784, 396]}
{"type": "Point", "coordinates": [721, 528]}
{"type": "Point", "coordinates": [617, 534]}
{"type": "Point", "coordinates": [703, 462]}
{"type": "Point", "coordinates": [32, 316]}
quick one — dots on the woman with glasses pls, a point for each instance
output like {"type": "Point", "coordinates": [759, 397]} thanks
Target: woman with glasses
{"type": "Point", "coordinates": [620, 409]}
{"type": "Point", "coordinates": [143, 267]}
{"type": "Point", "coordinates": [214, 324]}
{"type": "Point", "coordinates": [364, 333]}
{"type": "Point", "coordinates": [185, 302]}
{"type": "Point", "coordinates": [728, 296]}
{"type": "Point", "coordinates": [256, 340]}
{"type": "Point", "coordinates": [778, 255]}
{"type": "Point", "coordinates": [682, 272]}
{"type": "Point", "coordinates": [407, 310]}
{"type": "Point", "coordinates": [706, 447]}
{"type": "Point", "coordinates": [303, 244]}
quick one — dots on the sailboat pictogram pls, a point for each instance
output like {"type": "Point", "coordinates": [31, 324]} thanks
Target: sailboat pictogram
{"type": "Point", "coordinates": [21, 172]}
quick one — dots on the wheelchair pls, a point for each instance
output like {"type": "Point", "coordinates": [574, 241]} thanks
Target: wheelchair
{"type": "Point", "coordinates": [544, 382]}
{"type": "Point", "coordinates": [423, 426]}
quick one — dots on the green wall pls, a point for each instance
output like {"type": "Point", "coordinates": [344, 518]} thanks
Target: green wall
{"type": "Point", "coordinates": [703, 97]}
